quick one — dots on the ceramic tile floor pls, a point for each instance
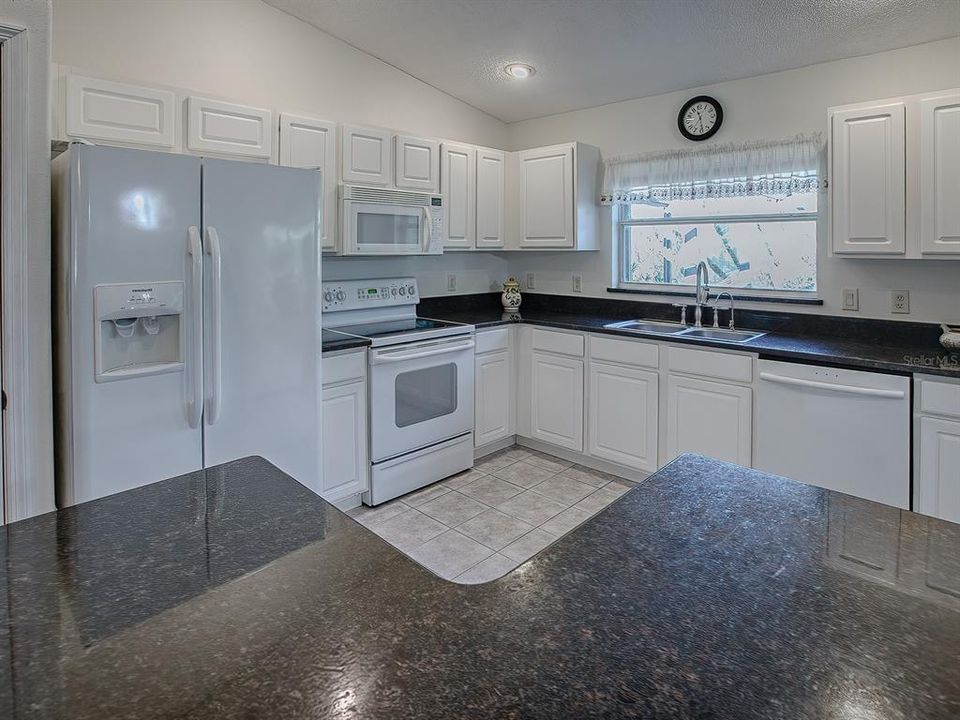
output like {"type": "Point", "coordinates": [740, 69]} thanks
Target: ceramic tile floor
{"type": "Point", "coordinates": [481, 524]}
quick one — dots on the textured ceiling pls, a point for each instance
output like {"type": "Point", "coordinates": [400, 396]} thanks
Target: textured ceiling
{"type": "Point", "coordinates": [592, 52]}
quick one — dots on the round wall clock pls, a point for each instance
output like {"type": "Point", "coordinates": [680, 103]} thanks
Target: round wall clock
{"type": "Point", "coordinates": [700, 118]}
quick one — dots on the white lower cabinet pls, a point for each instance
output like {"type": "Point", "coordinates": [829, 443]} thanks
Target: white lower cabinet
{"type": "Point", "coordinates": [345, 459]}
{"type": "Point", "coordinates": [709, 418]}
{"type": "Point", "coordinates": [623, 415]}
{"type": "Point", "coordinates": [493, 397]}
{"type": "Point", "coordinates": [938, 487]}
{"type": "Point", "coordinates": [556, 411]}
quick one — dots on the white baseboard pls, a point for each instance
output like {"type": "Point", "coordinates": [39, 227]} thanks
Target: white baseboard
{"type": "Point", "coordinates": [347, 503]}
{"type": "Point", "coordinates": [586, 460]}
{"type": "Point", "coordinates": [494, 446]}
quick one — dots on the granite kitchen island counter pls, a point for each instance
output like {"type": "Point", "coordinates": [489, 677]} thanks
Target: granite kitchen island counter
{"type": "Point", "coordinates": [709, 591]}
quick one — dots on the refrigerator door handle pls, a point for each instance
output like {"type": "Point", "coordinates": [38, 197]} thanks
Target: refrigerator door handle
{"type": "Point", "coordinates": [213, 346]}
{"type": "Point", "coordinates": [195, 363]}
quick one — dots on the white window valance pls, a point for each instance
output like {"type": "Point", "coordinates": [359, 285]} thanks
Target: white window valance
{"type": "Point", "coordinates": [760, 168]}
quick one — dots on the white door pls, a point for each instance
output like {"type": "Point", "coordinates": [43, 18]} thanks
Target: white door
{"type": "Point", "coordinates": [418, 163]}
{"type": "Point", "coordinates": [458, 175]}
{"type": "Point", "coordinates": [120, 112]}
{"type": "Point", "coordinates": [709, 418]}
{"type": "Point", "coordinates": [623, 415]}
{"type": "Point", "coordinates": [311, 143]}
{"type": "Point", "coordinates": [493, 397]}
{"type": "Point", "coordinates": [868, 205]}
{"type": "Point", "coordinates": [546, 197]}
{"type": "Point", "coordinates": [556, 413]}
{"type": "Point", "coordinates": [225, 128]}
{"type": "Point", "coordinates": [130, 211]}
{"type": "Point", "coordinates": [262, 320]}
{"type": "Point", "coordinates": [491, 175]}
{"type": "Point", "coordinates": [937, 490]}
{"type": "Point", "coordinates": [345, 461]}
{"type": "Point", "coordinates": [365, 155]}
{"type": "Point", "coordinates": [940, 175]}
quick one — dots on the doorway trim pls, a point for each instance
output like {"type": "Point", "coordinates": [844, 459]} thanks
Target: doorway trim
{"type": "Point", "coordinates": [17, 495]}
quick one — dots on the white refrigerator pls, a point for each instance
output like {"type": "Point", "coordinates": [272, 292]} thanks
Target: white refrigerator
{"type": "Point", "coordinates": [188, 318]}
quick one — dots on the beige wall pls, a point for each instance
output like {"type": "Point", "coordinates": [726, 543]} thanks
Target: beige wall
{"type": "Point", "coordinates": [254, 53]}
{"type": "Point", "coordinates": [36, 396]}
{"type": "Point", "coordinates": [769, 106]}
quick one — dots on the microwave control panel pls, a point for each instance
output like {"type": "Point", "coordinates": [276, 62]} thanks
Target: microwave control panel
{"type": "Point", "coordinates": [362, 294]}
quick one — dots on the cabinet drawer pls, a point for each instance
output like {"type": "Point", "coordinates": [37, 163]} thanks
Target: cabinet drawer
{"type": "Point", "coordinates": [715, 365]}
{"type": "Point", "coordinates": [940, 398]}
{"type": "Point", "coordinates": [627, 352]}
{"type": "Point", "coordinates": [341, 368]}
{"type": "Point", "coordinates": [557, 342]}
{"type": "Point", "coordinates": [491, 340]}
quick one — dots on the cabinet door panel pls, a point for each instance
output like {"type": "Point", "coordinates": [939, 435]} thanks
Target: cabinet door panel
{"type": "Point", "coordinates": [546, 197]}
{"type": "Point", "coordinates": [869, 180]}
{"type": "Point", "coordinates": [937, 490]}
{"type": "Point", "coordinates": [418, 163]}
{"type": "Point", "coordinates": [365, 155]}
{"type": "Point", "coordinates": [493, 397]}
{"type": "Point", "coordinates": [458, 174]}
{"type": "Point", "coordinates": [344, 440]}
{"type": "Point", "coordinates": [229, 129]}
{"type": "Point", "coordinates": [119, 112]}
{"type": "Point", "coordinates": [708, 418]}
{"type": "Point", "coordinates": [491, 165]}
{"type": "Point", "coordinates": [311, 143]}
{"type": "Point", "coordinates": [556, 413]}
{"type": "Point", "coordinates": [623, 415]}
{"type": "Point", "coordinates": [940, 175]}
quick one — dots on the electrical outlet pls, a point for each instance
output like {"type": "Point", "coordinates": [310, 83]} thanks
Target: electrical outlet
{"type": "Point", "coordinates": [531, 281]}
{"type": "Point", "coordinates": [578, 283]}
{"type": "Point", "coordinates": [900, 302]}
{"type": "Point", "coordinates": [451, 282]}
{"type": "Point", "coordinates": [851, 299]}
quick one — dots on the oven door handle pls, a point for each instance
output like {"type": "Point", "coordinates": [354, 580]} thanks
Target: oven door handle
{"type": "Point", "coordinates": [388, 356]}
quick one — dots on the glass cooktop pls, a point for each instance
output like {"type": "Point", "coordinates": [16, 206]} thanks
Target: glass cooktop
{"type": "Point", "coordinates": [395, 328]}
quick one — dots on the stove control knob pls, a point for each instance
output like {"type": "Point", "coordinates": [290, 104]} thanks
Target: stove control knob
{"type": "Point", "coordinates": [394, 291]}
{"type": "Point", "coordinates": [341, 296]}
{"type": "Point", "coordinates": [403, 291]}
{"type": "Point", "coordinates": [328, 296]}
{"type": "Point", "coordinates": [411, 290]}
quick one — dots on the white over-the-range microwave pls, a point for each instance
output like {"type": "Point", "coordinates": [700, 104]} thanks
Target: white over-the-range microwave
{"type": "Point", "coordinates": [383, 221]}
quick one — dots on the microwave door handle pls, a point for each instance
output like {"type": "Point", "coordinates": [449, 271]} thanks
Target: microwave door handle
{"type": "Point", "coordinates": [425, 231]}
{"type": "Point", "coordinates": [382, 357]}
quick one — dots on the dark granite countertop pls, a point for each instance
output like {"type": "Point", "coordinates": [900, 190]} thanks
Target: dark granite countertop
{"type": "Point", "coordinates": [333, 341]}
{"type": "Point", "coordinates": [709, 591]}
{"type": "Point", "coordinates": [866, 344]}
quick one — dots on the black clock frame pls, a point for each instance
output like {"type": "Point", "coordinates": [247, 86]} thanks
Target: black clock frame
{"type": "Point", "coordinates": [712, 131]}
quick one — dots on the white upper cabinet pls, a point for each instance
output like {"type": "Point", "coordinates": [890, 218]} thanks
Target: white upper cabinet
{"type": "Point", "coordinates": [940, 174]}
{"type": "Point", "coordinates": [869, 180]}
{"type": "Point", "coordinates": [491, 178]}
{"type": "Point", "coordinates": [546, 197]}
{"type": "Point", "coordinates": [310, 143]}
{"type": "Point", "coordinates": [458, 174]}
{"type": "Point", "coordinates": [365, 155]}
{"type": "Point", "coordinates": [120, 112]}
{"type": "Point", "coordinates": [418, 163]}
{"type": "Point", "coordinates": [226, 128]}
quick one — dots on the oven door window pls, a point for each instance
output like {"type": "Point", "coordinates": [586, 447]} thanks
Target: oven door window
{"type": "Point", "coordinates": [399, 228]}
{"type": "Point", "coordinates": [426, 394]}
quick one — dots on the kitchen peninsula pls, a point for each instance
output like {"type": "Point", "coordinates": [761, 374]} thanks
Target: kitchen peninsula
{"type": "Point", "coordinates": [709, 591]}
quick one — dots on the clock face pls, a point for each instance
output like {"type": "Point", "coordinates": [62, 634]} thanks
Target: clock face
{"type": "Point", "coordinates": [700, 118]}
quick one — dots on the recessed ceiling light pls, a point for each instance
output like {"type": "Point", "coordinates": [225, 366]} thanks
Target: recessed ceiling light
{"type": "Point", "coordinates": [520, 71]}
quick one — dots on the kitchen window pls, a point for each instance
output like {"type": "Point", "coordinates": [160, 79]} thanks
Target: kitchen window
{"type": "Point", "coordinates": [762, 243]}
{"type": "Point", "coordinates": [749, 212]}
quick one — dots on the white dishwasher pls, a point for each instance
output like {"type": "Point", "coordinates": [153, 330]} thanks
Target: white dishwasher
{"type": "Point", "coordinates": [845, 430]}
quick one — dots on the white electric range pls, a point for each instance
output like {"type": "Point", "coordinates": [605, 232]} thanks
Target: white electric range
{"type": "Point", "coordinates": [420, 383]}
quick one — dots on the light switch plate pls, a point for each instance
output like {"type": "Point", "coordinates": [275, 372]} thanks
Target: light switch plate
{"type": "Point", "coordinates": [578, 283]}
{"type": "Point", "coordinates": [531, 281]}
{"type": "Point", "coordinates": [851, 299]}
{"type": "Point", "coordinates": [451, 282]}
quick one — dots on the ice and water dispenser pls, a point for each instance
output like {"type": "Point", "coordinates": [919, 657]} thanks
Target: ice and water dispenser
{"type": "Point", "coordinates": [139, 329]}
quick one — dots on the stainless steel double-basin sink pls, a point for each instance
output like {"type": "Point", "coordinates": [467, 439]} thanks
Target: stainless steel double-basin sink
{"type": "Point", "coordinates": [662, 327]}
